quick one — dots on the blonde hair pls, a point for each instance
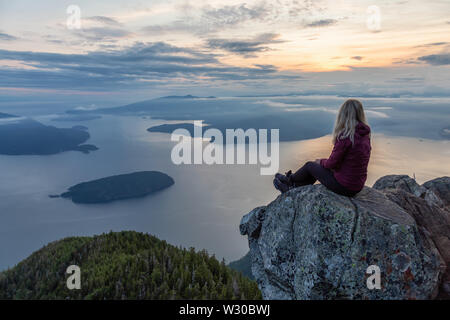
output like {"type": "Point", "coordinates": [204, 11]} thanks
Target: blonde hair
{"type": "Point", "coordinates": [350, 113]}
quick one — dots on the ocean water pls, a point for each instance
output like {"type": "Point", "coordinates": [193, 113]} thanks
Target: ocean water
{"type": "Point", "coordinates": [204, 207]}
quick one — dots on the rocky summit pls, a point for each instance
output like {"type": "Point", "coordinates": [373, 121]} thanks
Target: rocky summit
{"type": "Point", "coordinates": [311, 243]}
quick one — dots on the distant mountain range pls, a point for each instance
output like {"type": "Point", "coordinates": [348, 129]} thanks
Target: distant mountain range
{"type": "Point", "coordinates": [222, 114]}
{"type": "Point", "coordinates": [188, 96]}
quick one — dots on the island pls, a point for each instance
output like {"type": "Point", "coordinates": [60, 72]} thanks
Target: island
{"type": "Point", "coordinates": [225, 114]}
{"type": "Point", "coordinates": [24, 136]}
{"type": "Point", "coordinates": [119, 187]}
{"type": "Point", "coordinates": [169, 128]}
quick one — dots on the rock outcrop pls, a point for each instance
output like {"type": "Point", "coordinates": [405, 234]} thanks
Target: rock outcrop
{"type": "Point", "coordinates": [311, 243]}
{"type": "Point", "coordinates": [441, 188]}
{"type": "Point", "coordinates": [429, 206]}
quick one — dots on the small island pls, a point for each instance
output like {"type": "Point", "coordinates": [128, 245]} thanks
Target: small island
{"type": "Point", "coordinates": [119, 187]}
{"type": "Point", "coordinates": [169, 128]}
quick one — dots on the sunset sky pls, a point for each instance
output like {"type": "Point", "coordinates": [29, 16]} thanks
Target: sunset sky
{"type": "Point", "coordinates": [150, 48]}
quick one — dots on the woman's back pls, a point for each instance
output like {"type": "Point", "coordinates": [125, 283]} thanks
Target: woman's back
{"type": "Point", "coordinates": [352, 170]}
{"type": "Point", "coordinates": [345, 171]}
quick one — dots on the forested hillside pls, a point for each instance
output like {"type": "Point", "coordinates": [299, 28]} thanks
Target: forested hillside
{"type": "Point", "coordinates": [243, 265]}
{"type": "Point", "coordinates": [124, 265]}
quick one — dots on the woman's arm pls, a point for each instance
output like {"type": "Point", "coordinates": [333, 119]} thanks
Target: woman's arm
{"type": "Point", "coordinates": [337, 155]}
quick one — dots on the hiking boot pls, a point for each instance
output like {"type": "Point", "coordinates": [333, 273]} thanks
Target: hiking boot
{"type": "Point", "coordinates": [280, 186]}
{"type": "Point", "coordinates": [285, 178]}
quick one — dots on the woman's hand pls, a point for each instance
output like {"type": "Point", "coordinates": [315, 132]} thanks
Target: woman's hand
{"type": "Point", "coordinates": [317, 161]}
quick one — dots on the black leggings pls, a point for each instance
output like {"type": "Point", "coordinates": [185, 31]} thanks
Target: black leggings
{"type": "Point", "coordinates": [312, 171]}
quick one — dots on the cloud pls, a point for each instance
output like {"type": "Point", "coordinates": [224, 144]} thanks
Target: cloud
{"type": "Point", "coordinates": [104, 20]}
{"type": "Point", "coordinates": [94, 30]}
{"type": "Point", "coordinates": [322, 23]}
{"type": "Point", "coordinates": [380, 108]}
{"type": "Point", "coordinates": [132, 67]}
{"type": "Point", "coordinates": [246, 48]}
{"type": "Point", "coordinates": [102, 33]}
{"type": "Point", "coordinates": [434, 44]}
{"type": "Point", "coordinates": [305, 7]}
{"type": "Point", "coordinates": [408, 79]}
{"type": "Point", "coordinates": [7, 37]}
{"type": "Point", "coordinates": [86, 108]}
{"type": "Point", "coordinates": [180, 27]}
{"type": "Point", "coordinates": [295, 107]}
{"type": "Point", "coordinates": [436, 59]}
{"type": "Point", "coordinates": [376, 114]}
{"type": "Point", "coordinates": [278, 104]}
{"type": "Point", "coordinates": [359, 58]}
{"type": "Point", "coordinates": [210, 19]}
{"type": "Point", "coordinates": [406, 61]}
{"type": "Point", "coordinates": [235, 14]}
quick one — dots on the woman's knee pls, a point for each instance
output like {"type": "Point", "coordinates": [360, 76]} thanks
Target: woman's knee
{"type": "Point", "coordinates": [310, 164]}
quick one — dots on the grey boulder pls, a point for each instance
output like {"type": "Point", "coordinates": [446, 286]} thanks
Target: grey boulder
{"type": "Point", "coordinates": [311, 243]}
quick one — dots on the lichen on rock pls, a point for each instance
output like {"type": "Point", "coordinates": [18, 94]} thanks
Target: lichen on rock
{"type": "Point", "coordinates": [311, 243]}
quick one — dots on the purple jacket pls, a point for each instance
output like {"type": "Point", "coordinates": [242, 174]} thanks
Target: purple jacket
{"type": "Point", "coordinates": [349, 163]}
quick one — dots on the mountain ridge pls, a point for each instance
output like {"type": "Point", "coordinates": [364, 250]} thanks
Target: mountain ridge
{"type": "Point", "coordinates": [124, 265]}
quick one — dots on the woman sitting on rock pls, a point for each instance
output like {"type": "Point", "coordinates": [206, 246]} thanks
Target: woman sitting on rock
{"type": "Point", "coordinates": [345, 171]}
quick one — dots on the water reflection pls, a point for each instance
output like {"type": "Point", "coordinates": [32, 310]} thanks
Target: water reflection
{"type": "Point", "coordinates": [426, 159]}
{"type": "Point", "coordinates": [202, 209]}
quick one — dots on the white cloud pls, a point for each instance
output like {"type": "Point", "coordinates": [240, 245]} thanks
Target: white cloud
{"type": "Point", "coordinates": [376, 114]}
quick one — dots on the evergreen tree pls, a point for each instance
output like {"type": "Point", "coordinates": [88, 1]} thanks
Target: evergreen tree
{"type": "Point", "coordinates": [124, 265]}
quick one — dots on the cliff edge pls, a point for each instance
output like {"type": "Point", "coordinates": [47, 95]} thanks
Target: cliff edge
{"type": "Point", "coordinates": [311, 243]}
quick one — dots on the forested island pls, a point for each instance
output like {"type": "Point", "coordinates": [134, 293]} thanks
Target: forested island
{"type": "Point", "coordinates": [119, 187]}
{"type": "Point", "coordinates": [124, 265]}
{"type": "Point", "coordinates": [23, 136]}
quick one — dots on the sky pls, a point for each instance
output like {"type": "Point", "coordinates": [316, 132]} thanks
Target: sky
{"type": "Point", "coordinates": [142, 49]}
